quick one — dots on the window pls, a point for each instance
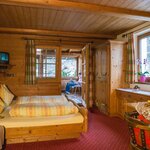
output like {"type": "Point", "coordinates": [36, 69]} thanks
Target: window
{"type": "Point", "coordinates": [46, 63]}
{"type": "Point", "coordinates": [69, 67]}
{"type": "Point", "coordinates": [143, 58]}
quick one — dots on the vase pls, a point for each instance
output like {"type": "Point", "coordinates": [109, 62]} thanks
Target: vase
{"type": "Point", "coordinates": [142, 78]}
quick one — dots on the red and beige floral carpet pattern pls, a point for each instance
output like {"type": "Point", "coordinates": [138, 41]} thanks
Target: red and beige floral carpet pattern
{"type": "Point", "coordinates": [104, 133]}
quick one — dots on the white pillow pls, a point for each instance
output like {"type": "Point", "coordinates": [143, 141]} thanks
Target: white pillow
{"type": "Point", "coordinates": [2, 105]}
{"type": "Point", "coordinates": [6, 95]}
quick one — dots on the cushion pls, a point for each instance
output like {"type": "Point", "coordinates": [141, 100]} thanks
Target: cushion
{"type": "Point", "coordinates": [2, 105]}
{"type": "Point", "coordinates": [6, 95]}
{"type": "Point", "coordinates": [146, 132]}
{"type": "Point", "coordinates": [143, 108]}
{"type": "Point", "coordinates": [142, 118]}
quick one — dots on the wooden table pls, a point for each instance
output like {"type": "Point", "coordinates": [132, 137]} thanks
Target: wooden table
{"type": "Point", "coordinates": [128, 98]}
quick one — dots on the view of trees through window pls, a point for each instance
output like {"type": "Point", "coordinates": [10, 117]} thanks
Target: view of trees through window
{"type": "Point", "coordinates": [144, 55]}
{"type": "Point", "coordinates": [46, 64]}
{"type": "Point", "coordinates": [69, 67]}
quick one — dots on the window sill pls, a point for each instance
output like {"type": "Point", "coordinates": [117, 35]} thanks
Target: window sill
{"type": "Point", "coordinates": [143, 86]}
{"type": "Point", "coordinates": [45, 77]}
{"type": "Point", "coordinates": [69, 78]}
{"type": "Point", "coordinates": [148, 83]}
{"type": "Point", "coordinates": [47, 80]}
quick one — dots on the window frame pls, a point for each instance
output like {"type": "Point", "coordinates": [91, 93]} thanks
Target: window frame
{"type": "Point", "coordinates": [138, 54]}
{"type": "Point", "coordinates": [77, 61]}
{"type": "Point", "coordinates": [58, 64]}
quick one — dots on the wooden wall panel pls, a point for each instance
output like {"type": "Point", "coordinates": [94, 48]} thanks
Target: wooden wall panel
{"type": "Point", "coordinates": [16, 48]}
{"type": "Point", "coordinates": [117, 74]}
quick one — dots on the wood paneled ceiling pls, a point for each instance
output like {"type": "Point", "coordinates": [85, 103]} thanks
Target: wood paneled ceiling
{"type": "Point", "coordinates": [130, 4]}
{"type": "Point", "coordinates": [18, 15]}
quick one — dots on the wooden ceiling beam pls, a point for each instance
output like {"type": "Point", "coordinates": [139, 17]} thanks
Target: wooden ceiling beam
{"type": "Point", "coordinates": [115, 11]}
{"type": "Point", "coordinates": [55, 33]}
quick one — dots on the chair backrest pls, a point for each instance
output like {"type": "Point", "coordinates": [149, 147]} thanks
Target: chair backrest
{"type": "Point", "coordinates": [139, 132]}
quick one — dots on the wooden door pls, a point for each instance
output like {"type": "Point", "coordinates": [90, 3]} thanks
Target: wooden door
{"type": "Point", "coordinates": [101, 78]}
{"type": "Point", "coordinates": [85, 74]}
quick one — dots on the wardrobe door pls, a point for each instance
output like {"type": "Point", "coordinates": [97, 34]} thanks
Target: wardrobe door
{"type": "Point", "coordinates": [101, 78]}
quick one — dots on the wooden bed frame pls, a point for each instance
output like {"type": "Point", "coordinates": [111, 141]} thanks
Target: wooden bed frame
{"type": "Point", "coordinates": [45, 133]}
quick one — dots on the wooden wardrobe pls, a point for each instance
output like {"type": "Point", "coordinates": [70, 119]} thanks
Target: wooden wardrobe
{"type": "Point", "coordinates": [109, 74]}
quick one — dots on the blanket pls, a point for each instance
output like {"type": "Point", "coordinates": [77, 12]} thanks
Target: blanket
{"type": "Point", "coordinates": [43, 109]}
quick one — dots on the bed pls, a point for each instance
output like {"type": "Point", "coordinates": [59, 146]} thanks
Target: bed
{"type": "Point", "coordinates": [42, 128]}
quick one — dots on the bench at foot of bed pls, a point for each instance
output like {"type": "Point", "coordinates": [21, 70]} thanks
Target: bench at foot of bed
{"type": "Point", "coordinates": [43, 133]}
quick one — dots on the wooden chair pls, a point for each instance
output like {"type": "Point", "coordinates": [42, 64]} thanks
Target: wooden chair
{"type": "Point", "coordinates": [137, 127]}
{"type": "Point", "coordinates": [76, 88]}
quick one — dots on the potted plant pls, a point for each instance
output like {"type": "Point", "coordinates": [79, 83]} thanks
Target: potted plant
{"type": "Point", "coordinates": [143, 76]}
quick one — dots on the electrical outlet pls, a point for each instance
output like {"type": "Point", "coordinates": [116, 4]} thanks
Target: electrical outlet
{"type": "Point", "coordinates": [10, 74]}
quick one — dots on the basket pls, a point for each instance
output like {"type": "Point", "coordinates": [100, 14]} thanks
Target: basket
{"type": "Point", "coordinates": [139, 132]}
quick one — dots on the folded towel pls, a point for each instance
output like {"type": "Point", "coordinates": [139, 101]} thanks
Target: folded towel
{"type": "Point", "coordinates": [1, 136]}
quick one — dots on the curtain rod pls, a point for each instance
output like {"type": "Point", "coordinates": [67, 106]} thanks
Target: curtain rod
{"type": "Point", "coordinates": [59, 40]}
{"type": "Point", "coordinates": [59, 37]}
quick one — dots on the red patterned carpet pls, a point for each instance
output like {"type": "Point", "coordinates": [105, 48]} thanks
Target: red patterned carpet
{"type": "Point", "coordinates": [104, 133]}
